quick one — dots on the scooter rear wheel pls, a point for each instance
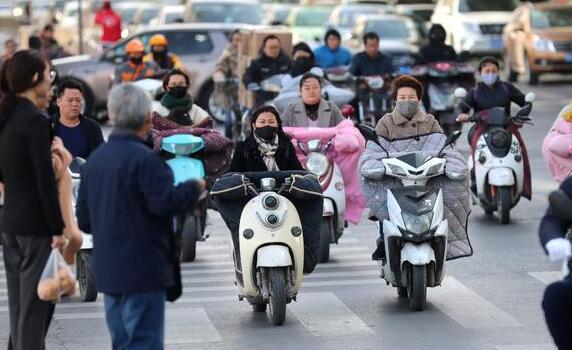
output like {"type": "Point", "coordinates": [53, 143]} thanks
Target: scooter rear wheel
{"type": "Point", "coordinates": [278, 295]}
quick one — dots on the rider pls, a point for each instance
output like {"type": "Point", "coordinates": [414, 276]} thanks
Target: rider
{"type": "Point", "coordinates": [332, 54]}
{"type": "Point", "coordinates": [406, 120]}
{"type": "Point", "coordinates": [489, 93]}
{"type": "Point", "coordinates": [160, 53]}
{"type": "Point", "coordinates": [303, 59]}
{"type": "Point", "coordinates": [135, 69]}
{"type": "Point", "coordinates": [177, 104]}
{"type": "Point", "coordinates": [312, 110]}
{"type": "Point", "coordinates": [227, 67]}
{"type": "Point", "coordinates": [437, 50]}
{"type": "Point", "coordinates": [272, 61]}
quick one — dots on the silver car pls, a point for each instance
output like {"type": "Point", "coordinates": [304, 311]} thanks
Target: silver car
{"type": "Point", "coordinates": [197, 44]}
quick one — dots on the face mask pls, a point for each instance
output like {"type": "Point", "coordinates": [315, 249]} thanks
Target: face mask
{"type": "Point", "coordinates": [159, 55]}
{"type": "Point", "coordinates": [136, 60]}
{"type": "Point", "coordinates": [437, 38]}
{"type": "Point", "coordinates": [407, 108]}
{"type": "Point", "coordinates": [266, 133]}
{"type": "Point", "coordinates": [302, 65]}
{"type": "Point", "coordinates": [489, 78]}
{"type": "Point", "coordinates": [178, 91]}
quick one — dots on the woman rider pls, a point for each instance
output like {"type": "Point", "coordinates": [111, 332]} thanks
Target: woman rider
{"type": "Point", "coordinates": [312, 110]}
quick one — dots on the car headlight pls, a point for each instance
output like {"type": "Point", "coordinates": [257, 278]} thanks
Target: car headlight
{"type": "Point", "coordinates": [417, 224]}
{"type": "Point", "coordinates": [472, 28]}
{"type": "Point", "coordinates": [540, 44]}
{"type": "Point", "coordinates": [317, 164]}
{"type": "Point", "coordinates": [396, 170]}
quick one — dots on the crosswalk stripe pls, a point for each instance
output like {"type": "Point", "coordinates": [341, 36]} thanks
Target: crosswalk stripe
{"type": "Point", "coordinates": [313, 276]}
{"type": "Point", "coordinates": [467, 308]}
{"type": "Point", "coordinates": [323, 314]}
{"type": "Point", "coordinates": [545, 346]}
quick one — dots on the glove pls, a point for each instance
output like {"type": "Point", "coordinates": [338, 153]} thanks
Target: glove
{"type": "Point", "coordinates": [253, 87]}
{"type": "Point", "coordinates": [558, 249]}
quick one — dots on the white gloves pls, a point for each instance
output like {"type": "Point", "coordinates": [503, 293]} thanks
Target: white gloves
{"type": "Point", "coordinates": [558, 249]}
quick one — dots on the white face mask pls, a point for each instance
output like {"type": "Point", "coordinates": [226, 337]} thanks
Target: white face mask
{"type": "Point", "coordinates": [489, 78]}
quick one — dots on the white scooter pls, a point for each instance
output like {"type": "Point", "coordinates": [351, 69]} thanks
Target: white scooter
{"type": "Point", "coordinates": [320, 162]}
{"type": "Point", "coordinates": [497, 162]}
{"type": "Point", "coordinates": [416, 233]}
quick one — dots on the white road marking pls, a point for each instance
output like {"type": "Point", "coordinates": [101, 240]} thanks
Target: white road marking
{"type": "Point", "coordinates": [469, 309]}
{"type": "Point", "coordinates": [315, 275]}
{"type": "Point", "coordinates": [547, 277]}
{"type": "Point", "coordinates": [526, 347]}
{"type": "Point", "coordinates": [323, 314]}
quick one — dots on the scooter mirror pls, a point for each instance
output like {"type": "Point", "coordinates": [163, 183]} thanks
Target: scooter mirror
{"type": "Point", "coordinates": [460, 92]}
{"type": "Point", "coordinates": [560, 205]}
{"type": "Point", "coordinates": [530, 97]}
{"type": "Point", "coordinates": [451, 139]}
{"type": "Point", "coordinates": [368, 132]}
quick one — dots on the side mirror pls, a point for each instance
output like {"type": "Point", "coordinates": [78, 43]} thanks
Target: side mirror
{"type": "Point", "coordinates": [368, 132]}
{"type": "Point", "coordinates": [460, 92]}
{"type": "Point", "coordinates": [560, 204]}
{"type": "Point", "coordinates": [530, 97]}
{"type": "Point", "coordinates": [451, 139]}
{"type": "Point", "coordinates": [524, 111]}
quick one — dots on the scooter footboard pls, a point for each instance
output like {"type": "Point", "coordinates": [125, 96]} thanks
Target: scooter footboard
{"type": "Point", "coordinates": [273, 256]}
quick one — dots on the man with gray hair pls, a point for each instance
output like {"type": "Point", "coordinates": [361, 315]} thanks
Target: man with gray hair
{"type": "Point", "coordinates": [127, 200]}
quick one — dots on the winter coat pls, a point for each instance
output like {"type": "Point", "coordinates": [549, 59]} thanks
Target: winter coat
{"type": "Point", "coordinates": [395, 126]}
{"type": "Point", "coordinates": [329, 115]}
{"type": "Point", "coordinates": [483, 97]}
{"type": "Point", "coordinates": [555, 147]}
{"type": "Point", "coordinates": [227, 63]}
{"type": "Point", "coordinates": [92, 131]}
{"type": "Point", "coordinates": [263, 68]}
{"type": "Point", "coordinates": [247, 157]}
{"type": "Point", "coordinates": [326, 58]}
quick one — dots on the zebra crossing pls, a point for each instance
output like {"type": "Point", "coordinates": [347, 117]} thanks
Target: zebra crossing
{"type": "Point", "coordinates": [323, 310]}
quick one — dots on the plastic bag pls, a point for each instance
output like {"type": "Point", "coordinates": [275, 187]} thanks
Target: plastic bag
{"type": "Point", "coordinates": [57, 278]}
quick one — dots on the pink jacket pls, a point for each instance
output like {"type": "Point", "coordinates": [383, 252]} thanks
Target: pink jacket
{"type": "Point", "coordinates": [348, 146]}
{"type": "Point", "coordinates": [556, 148]}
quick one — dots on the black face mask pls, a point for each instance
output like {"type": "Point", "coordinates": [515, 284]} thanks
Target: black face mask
{"type": "Point", "coordinates": [437, 38]}
{"type": "Point", "coordinates": [178, 91]}
{"type": "Point", "coordinates": [159, 55]}
{"type": "Point", "coordinates": [136, 60]}
{"type": "Point", "coordinates": [266, 133]}
{"type": "Point", "coordinates": [302, 65]}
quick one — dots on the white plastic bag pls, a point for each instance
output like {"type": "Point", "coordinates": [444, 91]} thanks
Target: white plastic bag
{"type": "Point", "coordinates": [57, 278]}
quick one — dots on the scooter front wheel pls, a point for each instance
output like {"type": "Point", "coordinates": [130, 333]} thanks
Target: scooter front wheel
{"type": "Point", "coordinates": [189, 238]}
{"type": "Point", "coordinates": [86, 281]}
{"type": "Point", "coordinates": [278, 295]}
{"type": "Point", "coordinates": [504, 201]}
{"type": "Point", "coordinates": [326, 231]}
{"type": "Point", "coordinates": [417, 287]}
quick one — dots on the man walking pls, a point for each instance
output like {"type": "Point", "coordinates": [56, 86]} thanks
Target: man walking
{"type": "Point", "coordinates": [127, 200]}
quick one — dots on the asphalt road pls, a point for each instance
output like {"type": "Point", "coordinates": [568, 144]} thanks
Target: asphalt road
{"type": "Point", "coordinates": [488, 301]}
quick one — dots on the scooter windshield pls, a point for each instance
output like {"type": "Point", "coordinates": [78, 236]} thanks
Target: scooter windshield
{"type": "Point", "coordinates": [495, 117]}
{"type": "Point", "coordinates": [415, 159]}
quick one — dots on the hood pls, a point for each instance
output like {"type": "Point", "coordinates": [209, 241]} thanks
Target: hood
{"type": "Point", "coordinates": [392, 46]}
{"type": "Point", "coordinates": [488, 17]}
{"type": "Point", "coordinates": [555, 34]}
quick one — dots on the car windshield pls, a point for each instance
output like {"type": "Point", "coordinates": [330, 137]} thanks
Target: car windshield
{"type": "Point", "coordinates": [127, 14]}
{"type": "Point", "coordinates": [312, 17]}
{"type": "Point", "coordinates": [347, 18]}
{"type": "Point", "coordinates": [149, 14]}
{"type": "Point", "coordinates": [391, 29]}
{"type": "Point", "coordinates": [551, 18]}
{"type": "Point", "coordinates": [172, 17]}
{"type": "Point", "coordinates": [488, 5]}
{"type": "Point", "coordinates": [228, 13]}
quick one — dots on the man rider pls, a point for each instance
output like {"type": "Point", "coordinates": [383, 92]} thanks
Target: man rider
{"type": "Point", "coordinates": [437, 50]}
{"type": "Point", "coordinates": [331, 54]}
{"type": "Point", "coordinates": [272, 61]}
{"type": "Point", "coordinates": [160, 53]}
{"type": "Point", "coordinates": [135, 69]}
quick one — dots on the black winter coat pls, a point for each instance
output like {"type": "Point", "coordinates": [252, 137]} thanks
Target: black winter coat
{"type": "Point", "coordinates": [91, 130]}
{"type": "Point", "coordinates": [263, 68]}
{"type": "Point", "coordinates": [483, 97]}
{"type": "Point", "coordinates": [247, 157]}
{"type": "Point", "coordinates": [437, 53]}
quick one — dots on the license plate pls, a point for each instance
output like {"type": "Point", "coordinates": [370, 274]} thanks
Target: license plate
{"type": "Point", "coordinates": [569, 58]}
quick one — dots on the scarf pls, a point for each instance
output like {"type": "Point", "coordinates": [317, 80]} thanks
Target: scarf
{"type": "Point", "coordinates": [268, 151]}
{"type": "Point", "coordinates": [312, 110]}
{"type": "Point", "coordinates": [171, 102]}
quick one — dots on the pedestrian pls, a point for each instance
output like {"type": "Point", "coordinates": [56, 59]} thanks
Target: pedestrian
{"type": "Point", "coordinates": [33, 222]}
{"type": "Point", "coordinates": [556, 146]}
{"type": "Point", "coordinates": [557, 301]}
{"type": "Point", "coordinates": [10, 47]}
{"type": "Point", "coordinates": [110, 23]}
{"type": "Point", "coordinates": [80, 135]}
{"type": "Point", "coordinates": [127, 200]}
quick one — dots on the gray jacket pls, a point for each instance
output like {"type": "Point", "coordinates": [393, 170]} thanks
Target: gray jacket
{"type": "Point", "coordinates": [329, 115]}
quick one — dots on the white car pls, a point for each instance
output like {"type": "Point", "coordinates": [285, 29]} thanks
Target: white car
{"type": "Point", "coordinates": [474, 27]}
{"type": "Point", "coordinates": [169, 15]}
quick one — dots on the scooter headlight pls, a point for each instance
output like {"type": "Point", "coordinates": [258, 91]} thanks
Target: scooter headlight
{"type": "Point", "coordinates": [270, 202]}
{"type": "Point", "coordinates": [396, 170]}
{"type": "Point", "coordinates": [417, 224]}
{"type": "Point", "coordinates": [434, 170]}
{"type": "Point", "coordinates": [317, 164]}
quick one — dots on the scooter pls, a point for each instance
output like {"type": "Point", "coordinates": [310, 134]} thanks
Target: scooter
{"type": "Point", "coordinates": [415, 235]}
{"type": "Point", "coordinates": [319, 161]}
{"type": "Point", "coordinates": [497, 162]}
{"type": "Point", "coordinates": [374, 101]}
{"type": "Point", "coordinates": [189, 227]}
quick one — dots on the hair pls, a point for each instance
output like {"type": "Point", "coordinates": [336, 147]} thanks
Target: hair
{"type": "Point", "coordinates": [128, 106]}
{"type": "Point", "coordinates": [48, 28]}
{"type": "Point", "coordinates": [488, 59]}
{"type": "Point", "coordinates": [310, 75]}
{"type": "Point", "coordinates": [407, 81]}
{"type": "Point", "coordinates": [233, 33]}
{"type": "Point", "coordinates": [17, 76]}
{"type": "Point", "coordinates": [69, 83]}
{"type": "Point", "coordinates": [369, 36]}
{"type": "Point", "coordinates": [302, 46]}
{"type": "Point", "coordinates": [269, 109]}
{"type": "Point", "coordinates": [175, 71]}
{"type": "Point", "coordinates": [34, 42]}
{"type": "Point", "coordinates": [332, 32]}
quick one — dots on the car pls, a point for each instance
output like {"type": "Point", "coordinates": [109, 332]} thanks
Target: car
{"type": "Point", "coordinates": [307, 23]}
{"type": "Point", "coordinates": [343, 17]}
{"type": "Point", "coordinates": [400, 37]}
{"type": "Point", "coordinates": [538, 40]}
{"type": "Point", "coordinates": [169, 15]}
{"type": "Point", "coordinates": [147, 13]}
{"type": "Point", "coordinates": [276, 13]}
{"type": "Point", "coordinates": [197, 44]}
{"type": "Point", "coordinates": [224, 11]}
{"type": "Point", "coordinates": [421, 9]}
{"type": "Point", "coordinates": [474, 27]}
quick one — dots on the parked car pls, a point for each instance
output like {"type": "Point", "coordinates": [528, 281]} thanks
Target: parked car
{"type": "Point", "coordinates": [400, 37]}
{"type": "Point", "coordinates": [307, 23]}
{"type": "Point", "coordinates": [224, 11]}
{"type": "Point", "coordinates": [539, 40]}
{"type": "Point", "coordinates": [474, 27]}
{"type": "Point", "coordinates": [276, 13]}
{"type": "Point", "coordinates": [197, 44]}
{"type": "Point", "coordinates": [169, 15]}
{"type": "Point", "coordinates": [343, 17]}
